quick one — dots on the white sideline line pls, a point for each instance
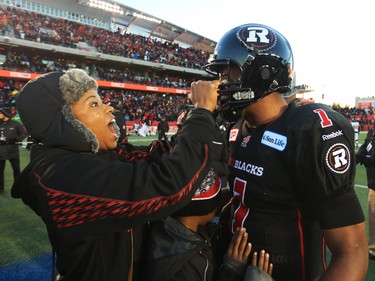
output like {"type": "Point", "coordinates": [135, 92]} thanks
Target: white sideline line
{"type": "Point", "coordinates": [149, 140]}
{"type": "Point", "coordinates": [361, 186]}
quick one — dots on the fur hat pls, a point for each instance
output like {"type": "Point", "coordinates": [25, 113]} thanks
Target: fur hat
{"type": "Point", "coordinates": [206, 199]}
{"type": "Point", "coordinates": [74, 83]}
{"type": "Point", "coordinates": [6, 111]}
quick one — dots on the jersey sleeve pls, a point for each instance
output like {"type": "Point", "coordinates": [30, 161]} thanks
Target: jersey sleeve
{"type": "Point", "coordinates": [323, 159]}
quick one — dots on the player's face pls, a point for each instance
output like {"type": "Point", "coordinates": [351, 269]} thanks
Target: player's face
{"type": "Point", "coordinates": [97, 117]}
{"type": "Point", "coordinates": [230, 74]}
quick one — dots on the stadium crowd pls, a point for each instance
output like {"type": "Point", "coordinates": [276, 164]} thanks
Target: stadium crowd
{"type": "Point", "coordinates": [40, 28]}
{"type": "Point", "coordinates": [150, 106]}
{"type": "Point", "coordinates": [135, 105]}
{"type": "Point", "coordinates": [37, 63]}
{"type": "Point", "coordinates": [365, 116]}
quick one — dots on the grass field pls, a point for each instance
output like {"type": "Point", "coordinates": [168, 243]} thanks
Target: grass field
{"type": "Point", "coordinates": [25, 253]}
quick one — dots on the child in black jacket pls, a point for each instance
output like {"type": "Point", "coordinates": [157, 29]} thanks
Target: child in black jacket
{"type": "Point", "coordinates": [180, 248]}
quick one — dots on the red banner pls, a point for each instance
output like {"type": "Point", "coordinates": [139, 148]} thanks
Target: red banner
{"type": "Point", "coordinates": [101, 83]}
{"type": "Point", "coordinates": [365, 104]}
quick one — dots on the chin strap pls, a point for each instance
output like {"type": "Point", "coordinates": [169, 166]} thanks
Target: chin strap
{"type": "Point", "coordinates": [231, 114]}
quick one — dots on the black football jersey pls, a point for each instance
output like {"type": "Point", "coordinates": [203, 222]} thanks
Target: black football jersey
{"type": "Point", "coordinates": [290, 179]}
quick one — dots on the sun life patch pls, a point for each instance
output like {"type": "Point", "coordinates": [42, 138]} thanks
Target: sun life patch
{"type": "Point", "coordinates": [274, 140]}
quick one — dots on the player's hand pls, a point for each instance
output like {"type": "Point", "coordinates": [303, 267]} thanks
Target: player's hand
{"type": "Point", "coordinates": [204, 94]}
{"type": "Point", "coordinates": [239, 249]}
{"type": "Point", "coordinates": [263, 262]}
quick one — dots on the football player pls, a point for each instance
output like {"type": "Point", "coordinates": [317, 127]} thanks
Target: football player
{"type": "Point", "coordinates": [292, 167]}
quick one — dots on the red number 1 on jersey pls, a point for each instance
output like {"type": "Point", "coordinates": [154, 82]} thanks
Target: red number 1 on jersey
{"type": "Point", "coordinates": [324, 119]}
{"type": "Point", "coordinates": [240, 214]}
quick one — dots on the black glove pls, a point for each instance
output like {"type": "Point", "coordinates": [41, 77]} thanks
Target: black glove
{"type": "Point", "coordinates": [364, 159]}
{"type": "Point", "coordinates": [360, 155]}
{"type": "Point", "coordinates": [367, 161]}
{"type": "Point", "coordinates": [157, 149]}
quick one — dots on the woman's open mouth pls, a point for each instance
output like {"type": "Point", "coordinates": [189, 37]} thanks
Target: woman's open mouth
{"type": "Point", "coordinates": [112, 126]}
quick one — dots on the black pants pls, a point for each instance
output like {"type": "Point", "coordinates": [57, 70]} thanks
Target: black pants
{"type": "Point", "coordinates": [15, 162]}
{"type": "Point", "coordinates": [162, 136]}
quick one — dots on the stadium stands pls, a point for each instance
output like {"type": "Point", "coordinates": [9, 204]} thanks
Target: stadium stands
{"type": "Point", "coordinates": [147, 76]}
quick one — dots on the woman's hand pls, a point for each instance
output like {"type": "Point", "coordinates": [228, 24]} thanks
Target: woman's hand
{"type": "Point", "coordinates": [204, 94]}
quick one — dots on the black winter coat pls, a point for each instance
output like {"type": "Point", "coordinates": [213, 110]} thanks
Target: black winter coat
{"type": "Point", "coordinates": [175, 253]}
{"type": "Point", "coordinates": [180, 254]}
{"type": "Point", "coordinates": [91, 201]}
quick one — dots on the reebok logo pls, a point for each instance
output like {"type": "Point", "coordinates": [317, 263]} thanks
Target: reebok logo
{"type": "Point", "coordinates": [332, 135]}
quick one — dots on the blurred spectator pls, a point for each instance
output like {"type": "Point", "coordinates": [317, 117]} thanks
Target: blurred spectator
{"type": "Point", "coordinates": [120, 121]}
{"type": "Point", "coordinates": [366, 156]}
{"type": "Point", "coordinates": [11, 132]}
{"type": "Point", "coordinates": [163, 129]}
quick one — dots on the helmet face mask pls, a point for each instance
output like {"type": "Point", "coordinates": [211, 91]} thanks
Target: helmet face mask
{"type": "Point", "coordinates": [231, 95]}
{"type": "Point", "coordinates": [262, 60]}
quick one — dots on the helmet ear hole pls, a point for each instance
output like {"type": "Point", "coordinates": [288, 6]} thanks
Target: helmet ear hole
{"type": "Point", "coordinates": [265, 72]}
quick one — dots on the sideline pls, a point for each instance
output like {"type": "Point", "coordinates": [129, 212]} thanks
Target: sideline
{"type": "Point", "coordinates": [361, 186]}
{"type": "Point", "coordinates": [143, 140]}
